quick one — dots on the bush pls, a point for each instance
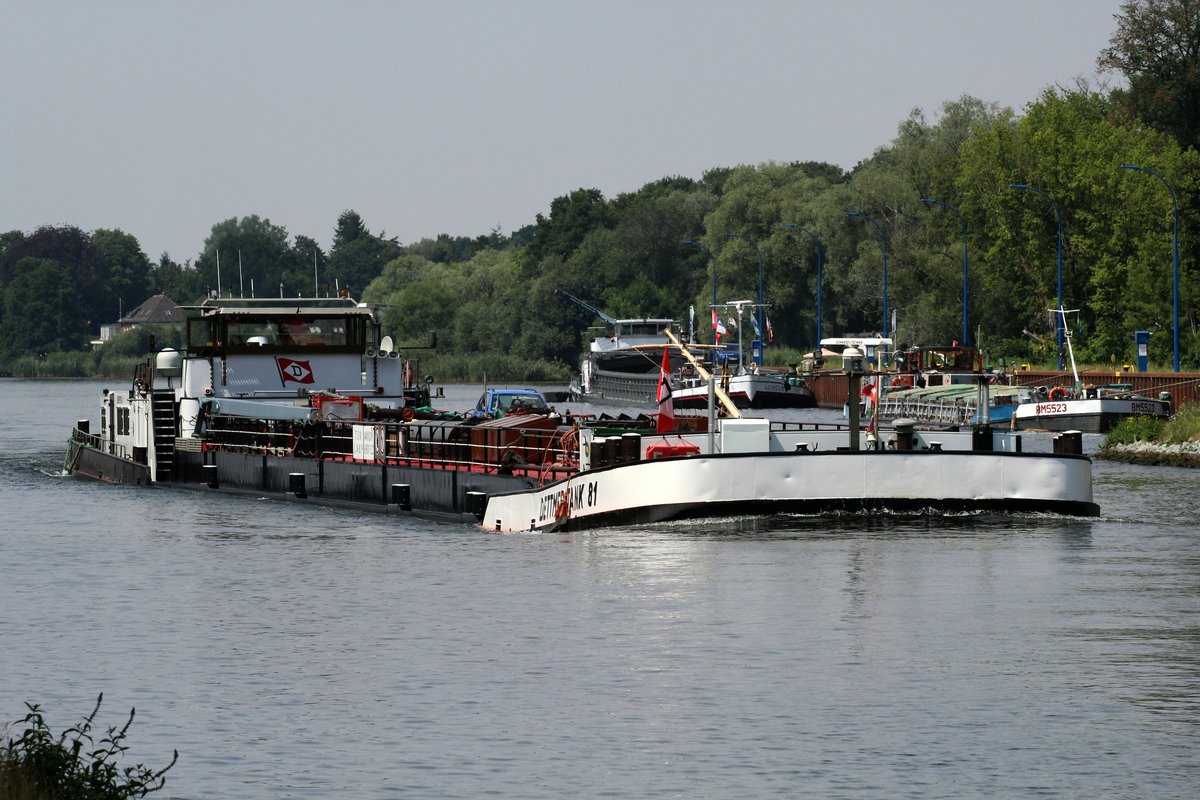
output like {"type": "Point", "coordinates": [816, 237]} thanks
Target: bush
{"type": "Point", "coordinates": [1184, 426]}
{"type": "Point", "coordinates": [1135, 429]}
{"type": "Point", "coordinates": [40, 766]}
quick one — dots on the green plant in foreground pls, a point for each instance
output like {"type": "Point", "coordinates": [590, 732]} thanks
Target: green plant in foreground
{"type": "Point", "coordinates": [1135, 429]}
{"type": "Point", "coordinates": [72, 766]}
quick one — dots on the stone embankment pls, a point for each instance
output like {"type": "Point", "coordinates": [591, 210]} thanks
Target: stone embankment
{"type": "Point", "coordinates": [1151, 454]}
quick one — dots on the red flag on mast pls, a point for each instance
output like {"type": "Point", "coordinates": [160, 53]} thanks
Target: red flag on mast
{"type": "Point", "coordinates": [666, 408]}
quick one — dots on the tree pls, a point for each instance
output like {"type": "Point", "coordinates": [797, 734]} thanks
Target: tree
{"type": "Point", "coordinates": [571, 218]}
{"type": "Point", "coordinates": [126, 278]}
{"type": "Point", "coordinates": [180, 283]}
{"type": "Point", "coordinates": [358, 256]}
{"type": "Point", "coordinates": [250, 255]}
{"type": "Point", "coordinates": [41, 309]}
{"type": "Point", "coordinates": [74, 250]}
{"type": "Point", "coordinates": [1157, 48]}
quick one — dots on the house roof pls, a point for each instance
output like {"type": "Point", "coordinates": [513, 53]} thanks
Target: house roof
{"type": "Point", "coordinates": [158, 308]}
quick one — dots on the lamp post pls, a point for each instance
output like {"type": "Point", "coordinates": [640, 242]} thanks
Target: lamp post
{"type": "Point", "coordinates": [1060, 323]}
{"type": "Point", "coordinates": [817, 245]}
{"type": "Point", "coordinates": [758, 355]}
{"type": "Point", "coordinates": [966, 340]}
{"type": "Point", "coordinates": [884, 237]}
{"type": "Point", "coordinates": [713, 259]}
{"type": "Point", "coordinates": [1174, 248]}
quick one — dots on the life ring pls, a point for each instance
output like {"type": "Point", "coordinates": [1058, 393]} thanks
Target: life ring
{"type": "Point", "coordinates": [1059, 393]}
{"type": "Point", "coordinates": [901, 382]}
{"type": "Point", "coordinates": [406, 414]}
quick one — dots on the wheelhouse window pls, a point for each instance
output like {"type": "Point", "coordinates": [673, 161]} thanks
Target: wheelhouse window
{"type": "Point", "coordinates": [246, 334]}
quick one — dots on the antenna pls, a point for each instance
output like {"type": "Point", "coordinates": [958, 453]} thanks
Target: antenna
{"type": "Point", "coordinates": [252, 287]}
{"type": "Point", "coordinates": [218, 273]}
{"type": "Point", "coordinates": [241, 286]}
{"type": "Point", "coordinates": [316, 286]}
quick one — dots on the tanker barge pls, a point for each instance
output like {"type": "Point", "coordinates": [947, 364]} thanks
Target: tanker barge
{"type": "Point", "coordinates": [305, 401]}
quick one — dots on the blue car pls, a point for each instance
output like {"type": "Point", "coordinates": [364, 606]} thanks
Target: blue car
{"type": "Point", "coordinates": [502, 402]}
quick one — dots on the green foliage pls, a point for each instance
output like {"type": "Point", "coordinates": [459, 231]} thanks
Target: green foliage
{"type": "Point", "coordinates": [126, 271]}
{"type": "Point", "coordinates": [41, 303]}
{"type": "Point", "coordinates": [1155, 47]}
{"type": "Point", "coordinates": [73, 765]}
{"type": "Point", "coordinates": [1135, 429]}
{"type": "Point", "coordinates": [1184, 426]}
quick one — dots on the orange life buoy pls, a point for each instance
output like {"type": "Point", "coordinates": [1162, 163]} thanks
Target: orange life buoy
{"type": "Point", "coordinates": [1059, 393]}
{"type": "Point", "coordinates": [406, 414]}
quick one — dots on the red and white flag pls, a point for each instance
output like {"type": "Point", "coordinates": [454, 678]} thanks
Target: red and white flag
{"type": "Point", "coordinates": [718, 327]}
{"type": "Point", "coordinates": [666, 408]}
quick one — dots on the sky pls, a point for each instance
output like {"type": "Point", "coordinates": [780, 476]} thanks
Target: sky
{"type": "Point", "coordinates": [162, 118]}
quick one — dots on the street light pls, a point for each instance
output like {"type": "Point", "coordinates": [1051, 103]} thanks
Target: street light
{"type": "Point", "coordinates": [758, 355]}
{"type": "Point", "coordinates": [884, 236]}
{"type": "Point", "coordinates": [1060, 323]}
{"type": "Point", "coordinates": [966, 340]}
{"type": "Point", "coordinates": [713, 259]}
{"type": "Point", "coordinates": [817, 245]}
{"type": "Point", "coordinates": [1175, 247]}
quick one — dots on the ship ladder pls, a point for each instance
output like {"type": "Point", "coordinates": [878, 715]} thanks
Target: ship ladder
{"type": "Point", "coordinates": [163, 418]}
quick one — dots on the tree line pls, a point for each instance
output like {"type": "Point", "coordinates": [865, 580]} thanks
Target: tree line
{"type": "Point", "coordinates": [940, 182]}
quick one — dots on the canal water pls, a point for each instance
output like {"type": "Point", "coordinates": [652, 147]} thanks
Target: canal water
{"type": "Point", "coordinates": [292, 652]}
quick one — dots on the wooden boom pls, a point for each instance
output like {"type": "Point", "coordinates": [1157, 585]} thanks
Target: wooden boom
{"type": "Point", "coordinates": [730, 408]}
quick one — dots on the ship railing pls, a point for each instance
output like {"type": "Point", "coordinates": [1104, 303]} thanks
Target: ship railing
{"type": "Point", "coordinates": [951, 412]}
{"type": "Point", "coordinates": [99, 443]}
{"type": "Point", "coordinates": [246, 435]}
{"type": "Point", "coordinates": [545, 452]}
{"type": "Point", "coordinates": [548, 452]}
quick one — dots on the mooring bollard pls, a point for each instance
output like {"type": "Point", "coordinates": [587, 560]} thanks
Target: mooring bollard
{"type": "Point", "coordinates": [210, 476]}
{"type": "Point", "coordinates": [296, 484]}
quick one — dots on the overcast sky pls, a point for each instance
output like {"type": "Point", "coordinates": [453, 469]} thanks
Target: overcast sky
{"type": "Point", "coordinates": [164, 118]}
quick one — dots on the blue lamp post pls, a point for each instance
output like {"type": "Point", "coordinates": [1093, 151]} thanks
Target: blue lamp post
{"type": "Point", "coordinates": [966, 337]}
{"type": "Point", "coordinates": [713, 259]}
{"type": "Point", "coordinates": [758, 351]}
{"type": "Point", "coordinates": [1174, 247]}
{"type": "Point", "coordinates": [817, 245]}
{"type": "Point", "coordinates": [885, 292]}
{"type": "Point", "coordinates": [1060, 323]}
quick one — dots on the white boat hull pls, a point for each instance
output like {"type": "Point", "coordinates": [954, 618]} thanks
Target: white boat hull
{"type": "Point", "coordinates": [1090, 415]}
{"type": "Point", "coordinates": [765, 483]}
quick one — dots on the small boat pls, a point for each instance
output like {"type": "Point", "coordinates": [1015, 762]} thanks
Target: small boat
{"type": "Point", "coordinates": [319, 409]}
{"type": "Point", "coordinates": [622, 368]}
{"type": "Point", "coordinates": [754, 388]}
{"type": "Point", "coordinates": [1092, 409]}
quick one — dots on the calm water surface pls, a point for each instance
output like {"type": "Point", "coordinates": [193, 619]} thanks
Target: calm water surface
{"type": "Point", "coordinates": [310, 653]}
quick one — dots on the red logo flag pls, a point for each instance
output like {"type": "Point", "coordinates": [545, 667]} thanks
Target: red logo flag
{"type": "Point", "coordinates": [294, 371]}
{"type": "Point", "coordinates": [666, 408]}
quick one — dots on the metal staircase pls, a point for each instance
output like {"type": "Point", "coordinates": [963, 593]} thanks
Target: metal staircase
{"type": "Point", "coordinates": [163, 412]}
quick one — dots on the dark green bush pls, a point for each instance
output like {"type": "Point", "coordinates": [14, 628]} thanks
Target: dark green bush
{"type": "Point", "coordinates": [72, 766]}
{"type": "Point", "coordinates": [1135, 429]}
